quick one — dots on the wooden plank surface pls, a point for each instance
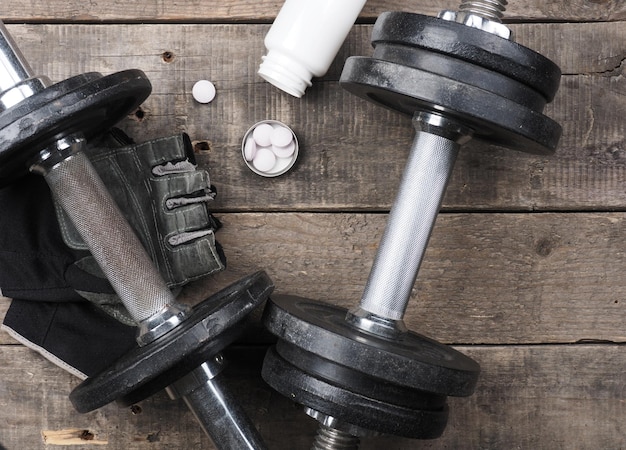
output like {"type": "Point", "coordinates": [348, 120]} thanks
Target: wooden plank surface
{"type": "Point", "coordinates": [493, 278]}
{"type": "Point", "coordinates": [540, 397]}
{"type": "Point", "coordinates": [266, 10]}
{"type": "Point", "coordinates": [343, 138]}
{"type": "Point", "coordinates": [486, 278]}
{"type": "Point", "coordinates": [538, 288]}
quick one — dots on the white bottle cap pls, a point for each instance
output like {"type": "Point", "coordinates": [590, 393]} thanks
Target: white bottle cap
{"type": "Point", "coordinates": [285, 73]}
{"type": "Point", "coordinates": [304, 40]}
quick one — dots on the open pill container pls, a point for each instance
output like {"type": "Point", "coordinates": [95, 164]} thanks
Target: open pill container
{"type": "Point", "coordinates": [269, 148]}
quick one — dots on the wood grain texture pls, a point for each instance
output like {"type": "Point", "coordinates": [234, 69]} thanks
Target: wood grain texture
{"type": "Point", "coordinates": [540, 397]}
{"type": "Point", "coordinates": [266, 10]}
{"type": "Point", "coordinates": [492, 278]}
{"type": "Point", "coordinates": [345, 141]}
{"type": "Point", "coordinates": [536, 298]}
{"type": "Point", "coordinates": [486, 278]}
{"type": "Point", "coordinates": [35, 400]}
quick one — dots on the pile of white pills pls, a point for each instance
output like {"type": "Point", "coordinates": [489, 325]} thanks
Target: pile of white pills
{"type": "Point", "coordinates": [270, 148]}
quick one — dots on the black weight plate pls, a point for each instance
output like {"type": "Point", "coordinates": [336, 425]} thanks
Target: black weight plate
{"type": "Point", "coordinates": [470, 44]}
{"type": "Point", "coordinates": [45, 96]}
{"type": "Point", "coordinates": [356, 381]}
{"type": "Point", "coordinates": [462, 71]}
{"type": "Point", "coordinates": [163, 380]}
{"type": "Point", "coordinates": [413, 360]}
{"type": "Point", "coordinates": [349, 407]}
{"type": "Point", "coordinates": [493, 118]}
{"type": "Point", "coordinates": [213, 325]}
{"type": "Point", "coordinates": [89, 104]}
{"type": "Point", "coordinates": [13, 161]}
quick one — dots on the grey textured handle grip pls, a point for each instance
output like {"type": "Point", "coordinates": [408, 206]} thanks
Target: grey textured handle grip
{"type": "Point", "coordinates": [409, 226]}
{"type": "Point", "coordinates": [111, 240]}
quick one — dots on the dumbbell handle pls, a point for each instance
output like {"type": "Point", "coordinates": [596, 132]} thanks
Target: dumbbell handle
{"type": "Point", "coordinates": [82, 194]}
{"type": "Point", "coordinates": [412, 215]}
{"type": "Point", "coordinates": [216, 408]}
{"type": "Point", "coordinates": [15, 73]}
{"type": "Point", "coordinates": [126, 264]}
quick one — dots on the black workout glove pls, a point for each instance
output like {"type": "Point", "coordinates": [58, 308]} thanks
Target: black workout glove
{"type": "Point", "coordinates": [164, 199]}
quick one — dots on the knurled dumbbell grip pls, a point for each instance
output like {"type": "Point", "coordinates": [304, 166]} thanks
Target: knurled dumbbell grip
{"type": "Point", "coordinates": [126, 264]}
{"type": "Point", "coordinates": [409, 225]}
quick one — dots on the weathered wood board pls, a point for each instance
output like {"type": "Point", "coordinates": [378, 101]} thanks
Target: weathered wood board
{"type": "Point", "coordinates": [486, 278]}
{"type": "Point", "coordinates": [525, 267]}
{"type": "Point", "coordinates": [266, 10]}
{"type": "Point", "coordinates": [346, 141]}
{"type": "Point", "coordinates": [540, 397]}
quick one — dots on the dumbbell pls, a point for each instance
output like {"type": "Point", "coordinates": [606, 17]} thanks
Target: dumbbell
{"type": "Point", "coordinates": [44, 128]}
{"type": "Point", "coordinates": [360, 372]}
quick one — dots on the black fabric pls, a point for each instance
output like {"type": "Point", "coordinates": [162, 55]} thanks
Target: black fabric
{"type": "Point", "coordinates": [35, 263]}
{"type": "Point", "coordinates": [77, 333]}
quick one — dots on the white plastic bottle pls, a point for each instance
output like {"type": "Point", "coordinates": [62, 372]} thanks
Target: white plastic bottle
{"type": "Point", "coordinates": [304, 39]}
